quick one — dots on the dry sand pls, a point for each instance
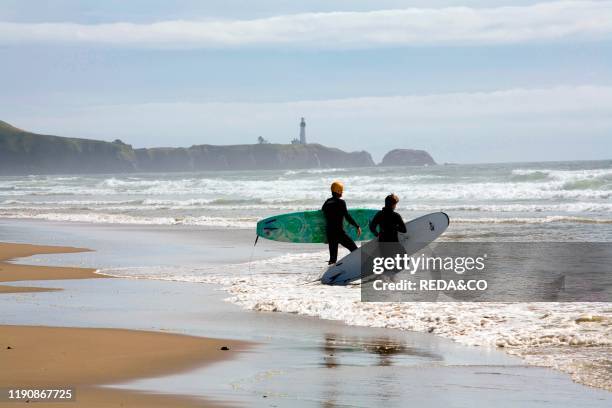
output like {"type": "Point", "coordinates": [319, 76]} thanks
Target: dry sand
{"type": "Point", "coordinates": [42, 357]}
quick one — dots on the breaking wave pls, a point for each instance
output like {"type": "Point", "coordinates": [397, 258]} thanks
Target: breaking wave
{"type": "Point", "coordinates": [102, 218]}
{"type": "Point", "coordinates": [500, 194]}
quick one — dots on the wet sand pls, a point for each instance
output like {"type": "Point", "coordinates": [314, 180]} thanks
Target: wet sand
{"type": "Point", "coordinates": [60, 357]}
{"type": "Point", "coordinates": [10, 272]}
{"type": "Point", "coordinates": [56, 356]}
{"type": "Point", "coordinates": [299, 361]}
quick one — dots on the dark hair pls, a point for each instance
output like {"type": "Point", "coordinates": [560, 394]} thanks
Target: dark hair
{"type": "Point", "coordinates": [391, 200]}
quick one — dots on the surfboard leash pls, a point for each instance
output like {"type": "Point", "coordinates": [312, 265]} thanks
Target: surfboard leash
{"type": "Point", "coordinates": [253, 252]}
{"type": "Point", "coordinates": [308, 283]}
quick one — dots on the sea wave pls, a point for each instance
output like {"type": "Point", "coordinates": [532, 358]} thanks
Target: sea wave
{"type": "Point", "coordinates": [87, 215]}
{"type": "Point", "coordinates": [533, 220]}
{"type": "Point", "coordinates": [529, 175]}
{"type": "Point", "coordinates": [105, 218]}
{"type": "Point", "coordinates": [145, 205]}
{"type": "Point", "coordinates": [314, 171]}
{"type": "Point", "coordinates": [371, 191]}
{"type": "Point", "coordinates": [574, 338]}
{"type": "Point", "coordinates": [436, 184]}
{"type": "Point", "coordinates": [591, 179]}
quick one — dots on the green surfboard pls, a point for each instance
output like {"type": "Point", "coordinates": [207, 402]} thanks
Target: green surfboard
{"type": "Point", "coordinates": [309, 226]}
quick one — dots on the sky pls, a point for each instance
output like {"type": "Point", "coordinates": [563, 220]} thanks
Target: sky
{"type": "Point", "coordinates": [471, 81]}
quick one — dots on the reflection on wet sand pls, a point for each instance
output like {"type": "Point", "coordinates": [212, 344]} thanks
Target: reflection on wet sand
{"type": "Point", "coordinates": [341, 351]}
{"type": "Point", "coordinates": [384, 348]}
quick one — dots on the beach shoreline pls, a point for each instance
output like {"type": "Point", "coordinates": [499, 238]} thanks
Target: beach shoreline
{"type": "Point", "coordinates": [39, 357]}
{"type": "Point", "coordinates": [333, 362]}
{"type": "Point", "coordinates": [11, 272]}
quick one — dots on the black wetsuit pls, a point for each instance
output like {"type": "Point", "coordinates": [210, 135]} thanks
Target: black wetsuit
{"type": "Point", "coordinates": [390, 224]}
{"type": "Point", "coordinates": [335, 212]}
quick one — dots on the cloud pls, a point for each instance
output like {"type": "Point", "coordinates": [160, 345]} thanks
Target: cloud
{"type": "Point", "coordinates": [565, 122]}
{"type": "Point", "coordinates": [543, 22]}
{"type": "Point", "coordinates": [558, 106]}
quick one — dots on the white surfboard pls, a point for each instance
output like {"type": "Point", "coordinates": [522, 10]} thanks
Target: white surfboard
{"type": "Point", "coordinates": [420, 232]}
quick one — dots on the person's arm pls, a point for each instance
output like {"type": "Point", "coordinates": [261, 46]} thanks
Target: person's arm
{"type": "Point", "coordinates": [374, 224]}
{"type": "Point", "coordinates": [350, 219]}
{"type": "Point", "coordinates": [401, 227]}
{"type": "Point", "coordinates": [348, 216]}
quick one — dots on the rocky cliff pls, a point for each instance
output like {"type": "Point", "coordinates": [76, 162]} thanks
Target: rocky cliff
{"type": "Point", "coordinates": [248, 157]}
{"type": "Point", "coordinates": [407, 157]}
{"type": "Point", "coordinates": [23, 152]}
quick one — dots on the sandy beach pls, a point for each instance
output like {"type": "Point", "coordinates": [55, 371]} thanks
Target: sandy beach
{"type": "Point", "coordinates": [56, 357]}
{"type": "Point", "coordinates": [297, 361]}
{"type": "Point", "coordinates": [306, 204]}
{"type": "Point", "coordinates": [10, 272]}
{"type": "Point", "coordinates": [38, 357]}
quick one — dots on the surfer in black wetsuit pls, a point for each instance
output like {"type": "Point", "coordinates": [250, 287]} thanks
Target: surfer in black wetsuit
{"type": "Point", "coordinates": [386, 224]}
{"type": "Point", "coordinates": [388, 220]}
{"type": "Point", "coordinates": [335, 212]}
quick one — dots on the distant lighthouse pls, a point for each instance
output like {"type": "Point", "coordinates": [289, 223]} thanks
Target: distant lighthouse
{"type": "Point", "coordinates": [303, 132]}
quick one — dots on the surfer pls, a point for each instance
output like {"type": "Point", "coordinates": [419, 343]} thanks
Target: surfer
{"type": "Point", "coordinates": [388, 220]}
{"type": "Point", "coordinates": [386, 224]}
{"type": "Point", "coordinates": [335, 212]}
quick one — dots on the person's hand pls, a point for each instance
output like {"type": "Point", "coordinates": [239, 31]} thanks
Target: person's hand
{"type": "Point", "coordinates": [358, 231]}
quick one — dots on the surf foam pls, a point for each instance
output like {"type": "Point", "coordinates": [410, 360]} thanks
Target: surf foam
{"type": "Point", "coordinates": [572, 337]}
{"type": "Point", "coordinates": [104, 218]}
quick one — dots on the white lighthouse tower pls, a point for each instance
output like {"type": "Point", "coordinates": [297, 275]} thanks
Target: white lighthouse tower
{"type": "Point", "coordinates": [303, 132]}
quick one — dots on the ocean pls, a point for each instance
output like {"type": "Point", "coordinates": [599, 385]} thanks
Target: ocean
{"type": "Point", "coordinates": [563, 194]}
{"type": "Point", "coordinates": [519, 202]}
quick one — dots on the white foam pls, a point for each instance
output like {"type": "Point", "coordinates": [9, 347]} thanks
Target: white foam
{"type": "Point", "coordinates": [96, 217]}
{"type": "Point", "coordinates": [239, 199]}
{"type": "Point", "coordinates": [566, 175]}
{"type": "Point", "coordinates": [545, 334]}
{"type": "Point", "coordinates": [532, 220]}
{"type": "Point", "coordinates": [284, 205]}
{"type": "Point", "coordinates": [363, 185]}
{"type": "Point", "coordinates": [104, 218]}
{"type": "Point", "coordinates": [314, 171]}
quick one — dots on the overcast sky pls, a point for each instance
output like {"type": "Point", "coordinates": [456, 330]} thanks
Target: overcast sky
{"type": "Point", "coordinates": [471, 81]}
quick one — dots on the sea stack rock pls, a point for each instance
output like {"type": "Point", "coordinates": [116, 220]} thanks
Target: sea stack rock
{"type": "Point", "coordinates": [407, 157]}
